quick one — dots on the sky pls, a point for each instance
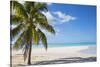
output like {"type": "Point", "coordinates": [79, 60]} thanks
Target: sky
{"type": "Point", "coordinates": [72, 23]}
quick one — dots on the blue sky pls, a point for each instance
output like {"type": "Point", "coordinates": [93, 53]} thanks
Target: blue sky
{"type": "Point", "coordinates": [72, 23]}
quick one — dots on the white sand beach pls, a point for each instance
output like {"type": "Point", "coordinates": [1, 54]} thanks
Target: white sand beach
{"type": "Point", "coordinates": [40, 54]}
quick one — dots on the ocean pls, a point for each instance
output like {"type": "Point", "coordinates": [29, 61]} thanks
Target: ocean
{"type": "Point", "coordinates": [52, 45]}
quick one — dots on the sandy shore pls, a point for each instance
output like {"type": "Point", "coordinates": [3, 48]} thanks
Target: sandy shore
{"type": "Point", "coordinates": [52, 54]}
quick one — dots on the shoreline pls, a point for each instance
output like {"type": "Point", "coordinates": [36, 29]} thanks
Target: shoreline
{"type": "Point", "coordinates": [81, 49]}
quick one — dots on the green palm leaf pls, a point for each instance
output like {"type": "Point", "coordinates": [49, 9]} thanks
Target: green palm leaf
{"type": "Point", "coordinates": [35, 37]}
{"type": "Point", "coordinates": [29, 6]}
{"type": "Point", "coordinates": [49, 28]}
{"type": "Point", "coordinates": [16, 30]}
{"type": "Point", "coordinates": [20, 41]}
{"type": "Point", "coordinates": [19, 9]}
{"type": "Point", "coordinates": [15, 19]}
{"type": "Point", "coordinates": [41, 18]}
{"type": "Point", "coordinates": [41, 6]}
{"type": "Point", "coordinates": [43, 38]}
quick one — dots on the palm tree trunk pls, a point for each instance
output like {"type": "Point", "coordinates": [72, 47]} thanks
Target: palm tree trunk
{"type": "Point", "coordinates": [29, 55]}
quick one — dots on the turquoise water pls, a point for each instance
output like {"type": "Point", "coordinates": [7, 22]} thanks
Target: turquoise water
{"type": "Point", "coordinates": [52, 45]}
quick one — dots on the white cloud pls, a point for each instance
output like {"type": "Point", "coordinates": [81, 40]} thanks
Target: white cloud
{"type": "Point", "coordinates": [58, 17]}
{"type": "Point", "coordinates": [62, 17]}
{"type": "Point", "coordinates": [59, 14]}
{"type": "Point", "coordinates": [49, 3]}
{"type": "Point", "coordinates": [68, 18]}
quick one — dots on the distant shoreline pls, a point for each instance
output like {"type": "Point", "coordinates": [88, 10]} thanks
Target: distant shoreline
{"type": "Point", "coordinates": [87, 48]}
{"type": "Point", "coordinates": [57, 45]}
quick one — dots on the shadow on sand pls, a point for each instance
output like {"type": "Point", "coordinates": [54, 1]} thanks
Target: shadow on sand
{"type": "Point", "coordinates": [64, 61]}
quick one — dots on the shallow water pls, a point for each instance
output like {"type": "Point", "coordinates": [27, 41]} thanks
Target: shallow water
{"type": "Point", "coordinates": [52, 45]}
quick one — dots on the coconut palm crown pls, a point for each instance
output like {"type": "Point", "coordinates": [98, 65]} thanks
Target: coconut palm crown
{"type": "Point", "coordinates": [29, 20]}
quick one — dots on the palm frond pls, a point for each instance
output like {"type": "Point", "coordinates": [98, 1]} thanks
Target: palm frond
{"type": "Point", "coordinates": [35, 36]}
{"type": "Point", "coordinates": [28, 34]}
{"type": "Point", "coordinates": [29, 6]}
{"type": "Point", "coordinates": [19, 9]}
{"type": "Point", "coordinates": [15, 19]}
{"type": "Point", "coordinates": [20, 41]}
{"type": "Point", "coordinates": [17, 30]}
{"type": "Point", "coordinates": [48, 27]}
{"type": "Point", "coordinates": [43, 38]}
{"type": "Point", "coordinates": [41, 6]}
{"type": "Point", "coordinates": [40, 18]}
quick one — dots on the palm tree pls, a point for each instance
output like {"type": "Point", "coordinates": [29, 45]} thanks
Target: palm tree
{"type": "Point", "coordinates": [29, 21]}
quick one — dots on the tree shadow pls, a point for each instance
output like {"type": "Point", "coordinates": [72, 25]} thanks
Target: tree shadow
{"type": "Point", "coordinates": [64, 61]}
